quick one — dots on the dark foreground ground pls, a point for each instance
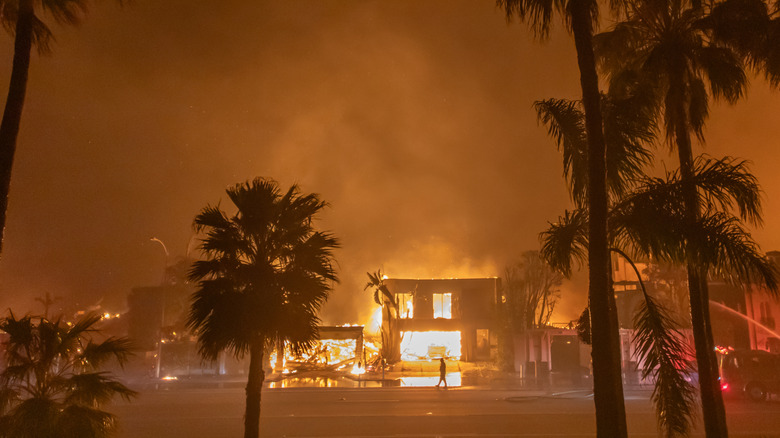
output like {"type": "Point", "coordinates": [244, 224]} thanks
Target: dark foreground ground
{"type": "Point", "coordinates": [180, 411]}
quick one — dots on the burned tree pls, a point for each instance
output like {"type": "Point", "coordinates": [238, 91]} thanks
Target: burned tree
{"type": "Point", "coordinates": [531, 292]}
{"type": "Point", "coordinates": [528, 301]}
{"type": "Point", "coordinates": [390, 312]}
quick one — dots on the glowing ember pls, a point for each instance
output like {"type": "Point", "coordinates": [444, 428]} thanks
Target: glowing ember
{"type": "Point", "coordinates": [430, 345]}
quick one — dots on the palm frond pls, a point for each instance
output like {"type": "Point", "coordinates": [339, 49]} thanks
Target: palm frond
{"type": "Point", "coordinates": [32, 418]}
{"type": "Point", "coordinates": [79, 421]}
{"type": "Point", "coordinates": [725, 246]}
{"type": "Point", "coordinates": [219, 315]}
{"type": "Point", "coordinates": [741, 24]}
{"type": "Point", "coordinates": [619, 49]}
{"type": "Point", "coordinates": [565, 123]}
{"type": "Point", "coordinates": [95, 355]}
{"type": "Point", "coordinates": [20, 336]}
{"type": "Point", "coordinates": [724, 71]}
{"type": "Point", "coordinates": [211, 217]}
{"type": "Point", "coordinates": [9, 396]}
{"type": "Point", "coordinates": [95, 389]}
{"type": "Point", "coordinates": [629, 128]}
{"type": "Point", "coordinates": [726, 184]}
{"type": "Point", "coordinates": [583, 327]}
{"type": "Point", "coordinates": [67, 12]}
{"type": "Point", "coordinates": [663, 351]}
{"type": "Point", "coordinates": [566, 241]}
{"type": "Point", "coordinates": [769, 57]}
{"type": "Point", "coordinates": [42, 36]}
{"type": "Point", "coordinates": [382, 295]}
{"type": "Point", "coordinates": [537, 13]}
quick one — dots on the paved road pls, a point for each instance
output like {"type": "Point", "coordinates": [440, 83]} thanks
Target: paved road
{"type": "Point", "coordinates": [402, 412]}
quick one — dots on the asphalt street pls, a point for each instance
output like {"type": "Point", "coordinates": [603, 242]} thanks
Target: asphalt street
{"type": "Point", "coordinates": [403, 412]}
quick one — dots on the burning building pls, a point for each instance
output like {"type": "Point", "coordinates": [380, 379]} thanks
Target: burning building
{"type": "Point", "coordinates": [338, 348]}
{"type": "Point", "coordinates": [433, 318]}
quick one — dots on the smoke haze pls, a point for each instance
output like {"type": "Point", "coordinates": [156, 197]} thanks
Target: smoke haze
{"type": "Point", "coordinates": [412, 119]}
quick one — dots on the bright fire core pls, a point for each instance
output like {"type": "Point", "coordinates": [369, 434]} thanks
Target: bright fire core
{"type": "Point", "coordinates": [430, 345]}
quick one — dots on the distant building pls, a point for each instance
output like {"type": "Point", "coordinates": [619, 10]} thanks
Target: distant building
{"type": "Point", "coordinates": [763, 307]}
{"type": "Point", "coordinates": [743, 317]}
{"type": "Point", "coordinates": [453, 318]}
{"type": "Point", "coordinates": [144, 316]}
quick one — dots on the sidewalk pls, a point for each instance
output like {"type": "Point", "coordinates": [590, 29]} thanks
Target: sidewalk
{"type": "Point", "coordinates": [407, 379]}
{"type": "Point", "coordinates": [404, 374]}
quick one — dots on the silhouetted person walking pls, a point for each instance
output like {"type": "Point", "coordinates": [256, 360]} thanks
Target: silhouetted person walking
{"type": "Point", "coordinates": [442, 373]}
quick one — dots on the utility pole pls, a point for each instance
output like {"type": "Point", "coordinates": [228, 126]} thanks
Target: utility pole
{"type": "Point", "coordinates": [47, 301]}
{"type": "Point", "coordinates": [162, 306]}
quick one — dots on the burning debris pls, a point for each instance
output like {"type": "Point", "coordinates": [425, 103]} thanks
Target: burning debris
{"type": "Point", "coordinates": [339, 349]}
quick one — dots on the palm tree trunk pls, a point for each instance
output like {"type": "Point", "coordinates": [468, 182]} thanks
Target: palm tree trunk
{"type": "Point", "coordinates": [607, 378]}
{"type": "Point", "coordinates": [388, 338]}
{"type": "Point", "coordinates": [713, 410]}
{"type": "Point", "coordinates": [12, 116]}
{"type": "Point", "coordinates": [254, 386]}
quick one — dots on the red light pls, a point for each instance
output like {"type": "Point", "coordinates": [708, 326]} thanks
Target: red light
{"type": "Point", "coordinates": [724, 386]}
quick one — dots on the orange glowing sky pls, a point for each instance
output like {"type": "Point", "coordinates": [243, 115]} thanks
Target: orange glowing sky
{"type": "Point", "coordinates": [413, 119]}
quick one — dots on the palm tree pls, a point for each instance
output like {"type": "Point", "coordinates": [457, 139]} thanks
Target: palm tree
{"type": "Point", "coordinates": [726, 185]}
{"type": "Point", "coordinates": [267, 273]}
{"type": "Point", "coordinates": [19, 17]}
{"type": "Point", "coordinates": [52, 384]}
{"type": "Point", "coordinates": [581, 16]}
{"type": "Point", "coordinates": [389, 304]}
{"type": "Point", "coordinates": [669, 45]}
{"type": "Point", "coordinates": [651, 222]}
{"type": "Point", "coordinates": [629, 128]}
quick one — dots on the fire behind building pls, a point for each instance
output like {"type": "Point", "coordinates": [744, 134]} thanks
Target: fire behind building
{"type": "Point", "coordinates": [454, 319]}
{"type": "Point", "coordinates": [451, 318]}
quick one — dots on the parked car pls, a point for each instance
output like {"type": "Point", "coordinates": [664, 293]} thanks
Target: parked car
{"type": "Point", "coordinates": [754, 373]}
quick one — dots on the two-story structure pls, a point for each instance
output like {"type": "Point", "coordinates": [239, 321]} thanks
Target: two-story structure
{"type": "Point", "coordinates": [453, 318]}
